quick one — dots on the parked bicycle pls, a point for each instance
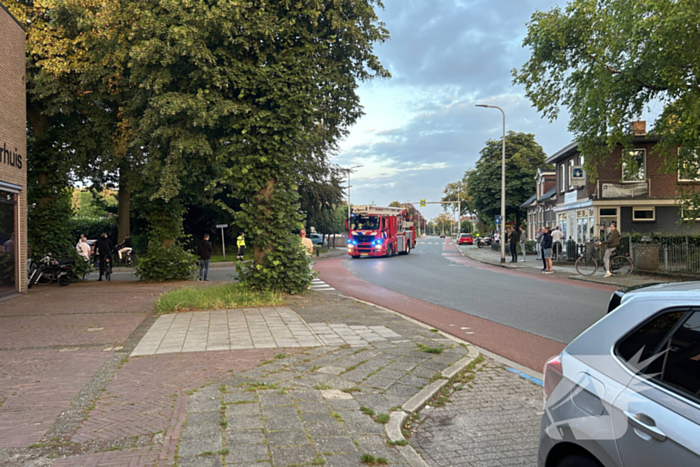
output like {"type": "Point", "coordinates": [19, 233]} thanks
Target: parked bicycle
{"type": "Point", "coordinates": [587, 264]}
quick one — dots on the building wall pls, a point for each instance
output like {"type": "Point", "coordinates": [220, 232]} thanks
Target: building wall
{"type": "Point", "coordinates": [13, 143]}
{"type": "Point", "coordinates": [667, 222]}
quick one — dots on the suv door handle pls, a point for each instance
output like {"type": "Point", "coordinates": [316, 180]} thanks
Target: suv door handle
{"type": "Point", "coordinates": [646, 424]}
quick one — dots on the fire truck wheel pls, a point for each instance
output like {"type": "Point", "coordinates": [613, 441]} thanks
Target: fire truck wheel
{"type": "Point", "coordinates": [390, 251]}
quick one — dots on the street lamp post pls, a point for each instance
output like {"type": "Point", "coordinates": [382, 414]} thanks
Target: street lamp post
{"type": "Point", "coordinates": [349, 170]}
{"type": "Point", "coordinates": [503, 183]}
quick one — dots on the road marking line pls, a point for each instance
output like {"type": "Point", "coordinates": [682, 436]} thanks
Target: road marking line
{"type": "Point", "coordinates": [526, 376]}
{"type": "Point", "coordinates": [462, 328]}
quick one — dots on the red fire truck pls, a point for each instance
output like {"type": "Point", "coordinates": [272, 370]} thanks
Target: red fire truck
{"type": "Point", "coordinates": [375, 231]}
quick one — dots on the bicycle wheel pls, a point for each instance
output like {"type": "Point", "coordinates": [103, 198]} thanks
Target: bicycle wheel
{"type": "Point", "coordinates": [586, 265]}
{"type": "Point", "coordinates": [621, 266]}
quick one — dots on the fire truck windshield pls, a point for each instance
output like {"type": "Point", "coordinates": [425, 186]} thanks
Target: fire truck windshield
{"type": "Point", "coordinates": [365, 223]}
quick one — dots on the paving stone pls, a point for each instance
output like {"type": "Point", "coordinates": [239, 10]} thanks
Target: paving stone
{"type": "Point", "coordinates": [312, 407]}
{"type": "Point", "coordinates": [283, 423]}
{"type": "Point", "coordinates": [200, 461]}
{"type": "Point", "coordinates": [238, 397]}
{"type": "Point", "coordinates": [250, 454]}
{"type": "Point", "coordinates": [284, 411]}
{"type": "Point", "coordinates": [200, 431]}
{"type": "Point", "coordinates": [235, 438]}
{"type": "Point", "coordinates": [244, 422]}
{"type": "Point", "coordinates": [325, 429]}
{"type": "Point", "coordinates": [273, 400]}
{"type": "Point", "coordinates": [242, 410]}
{"type": "Point", "coordinates": [287, 438]}
{"type": "Point", "coordinates": [335, 445]}
{"type": "Point", "coordinates": [196, 446]}
{"type": "Point", "coordinates": [204, 418]}
{"type": "Point", "coordinates": [293, 455]}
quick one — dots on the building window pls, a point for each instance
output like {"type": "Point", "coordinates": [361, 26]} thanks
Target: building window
{"type": "Point", "coordinates": [688, 165]}
{"type": "Point", "coordinates": [571, 165]}
{"type": "Point", "coordinates": [562, 176]}
{"type": "Point", "coordinates": [644, 214]}
{"type": "Point", "coordinates": [8, 242]}
{"type": "Point", "coordinates": [635, 170]}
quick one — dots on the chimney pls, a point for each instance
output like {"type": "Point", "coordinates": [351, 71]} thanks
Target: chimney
{"type": "Point", "coordinates": [638, 128]}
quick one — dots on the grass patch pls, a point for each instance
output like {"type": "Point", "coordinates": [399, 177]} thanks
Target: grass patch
{"type": "Point", "coordinates": [321, 387]}
{"type": "Point", "coordinates": [218, 297]}
{"type": "Point", "coordinates": [434, 330]}
{"type": "Point", "coordinates": [425, 348]}
{"type": "Point", "coordinates": [318, 461]}
{"type": "Point", "coordinates": [280, 356]}
{"type": "Point", "coordinates": [351, 390]}
{"type": "Point", "coordinates": [382, 418]}
{"type": "Point", "coordinates": [367, 411]}
{"type": "Point", "coordinates": [401, 442]}
{"type": "Point", "coordinates": [369, 459]}
{"type": "Point", "coordinates": [337, 416]}
{"type": "Point", "coordinates": [258, 385]}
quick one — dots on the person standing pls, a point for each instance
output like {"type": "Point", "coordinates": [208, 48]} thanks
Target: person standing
{"type": "Point", "coordinates": [240, 243]}
{"type": "Point", "coordinates": [611, 245]}
{"type": "Point", "coordinates": [204, 251]}
{"type": "Point", "coordinates": [513, 239]}
{"type": "Point", "coordinates": [558, 243]}
{"type": "Point", "coordinates": [103, 250]}
{"type": "Point", "coordinates": [308, 244]}
{"type": "Point", "coordinates": [547, 250]}
{"type": "Point", "coordinates": [523, 242]}
{"type": "Point", "coordinates": [83, 248]}
{"type": "Point", "coordinates": [538, 241]}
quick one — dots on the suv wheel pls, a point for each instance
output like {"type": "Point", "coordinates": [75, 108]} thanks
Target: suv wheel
{"type": "Point", "coordinates": [577, 460]}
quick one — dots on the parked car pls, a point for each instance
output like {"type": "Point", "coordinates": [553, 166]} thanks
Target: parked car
{"type": "Point", "coordinates": [626, 392]}
{"type": "Point", "coordinates": [623, 294]}
{"type": "Point", "coordinates": [316, 239]}
{"type": "Point", "coordinates": [442, 235]}
{"type": "Point", "coordinates": [465, 239]}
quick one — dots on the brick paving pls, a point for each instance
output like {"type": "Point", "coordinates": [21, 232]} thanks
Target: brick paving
{"type": "Point", "coordinates": [492, 421]}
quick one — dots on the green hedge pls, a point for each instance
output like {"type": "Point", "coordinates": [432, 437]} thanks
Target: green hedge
{"type": "Point", "coordinates": [93, 228]}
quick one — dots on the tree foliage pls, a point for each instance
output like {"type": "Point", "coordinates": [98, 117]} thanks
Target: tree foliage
{"type": "Point", "coordinates": [523, 157]}
{"type": "Point", "coordinates": [455, 191]}
{"type": "Point", "coordinates": [606, 61]}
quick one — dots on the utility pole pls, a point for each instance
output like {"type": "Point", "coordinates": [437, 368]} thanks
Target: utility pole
{"type": "Point", "coordinates": [349, 170]}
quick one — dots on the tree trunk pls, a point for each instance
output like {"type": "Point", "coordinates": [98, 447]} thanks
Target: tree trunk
{"type": "Point", "coordinates": [260, 251]}
{"type": "Point", "coordinates": [124, 213]}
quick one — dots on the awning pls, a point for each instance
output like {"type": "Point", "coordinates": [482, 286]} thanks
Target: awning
{"type": "Point", "coordinates": [12, 188]}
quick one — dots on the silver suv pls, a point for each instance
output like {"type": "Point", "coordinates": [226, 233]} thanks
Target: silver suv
{"type": "Point", "coordinates": [626, 392]}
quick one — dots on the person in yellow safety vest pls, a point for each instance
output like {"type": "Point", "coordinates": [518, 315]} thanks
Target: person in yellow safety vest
{"type": "Point", "coordinates": [240, 243]}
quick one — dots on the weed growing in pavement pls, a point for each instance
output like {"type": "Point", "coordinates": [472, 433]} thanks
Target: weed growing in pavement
{"type": "Point", "coordinates": [369, 459]}
{"type": "Point", "coordinates": [222, 389]}
{"type": "Point", "coordinates": [218, 297]}
{"type": "Point", "coordinates": [359, 351]}
{"type": "Point", "coordinates": [351, 390]}
{"type": "Point", "coordinates": [382, 418]}
{"type": "Point", "coordinates": [280, 356]}
{"type": "Point", "coordinates": [436, 377]}
{"type": "Point", "coordinates": [434, 330]}
{"type": "Point", "coordinates": [258, 385]}
{"type": "Point", "coordinates": [425, 348]}
{"type": "Point", "coordinates": [337, 416]}
{"type": "Point", "coordinates": [367, 411]}
{"type": "Point", "coordinates": [407, 429]}
{"type": "Point", "coordinates": [314, 368]}
{"type": "Point", "coordinates": [401, 442]}
{"type": "Point", "coordinates": [318, 461]}
{"type": "Point", "coordinates": [321, 387]}
{"type": "Point", "coordinates": [456, 383]}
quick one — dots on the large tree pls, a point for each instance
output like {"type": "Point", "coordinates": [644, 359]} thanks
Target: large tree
{"type": "Point", "coordinates": [607, 61]}
{"type": "Point", "coordinates": [243, 90]}
{"type": "Point", "coordinates": [457, 191]}
{"type": "Point", "coordinates": [523, 157]}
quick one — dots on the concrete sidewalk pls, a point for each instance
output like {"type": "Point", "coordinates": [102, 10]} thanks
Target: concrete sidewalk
{"type": "Point", "coordinates": [534, 266]}
{"type": "Point", "coordinates": [92, 377]}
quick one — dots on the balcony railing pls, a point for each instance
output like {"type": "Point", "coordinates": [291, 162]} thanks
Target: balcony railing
{"type": "Point", "coordinates": [609, 189]}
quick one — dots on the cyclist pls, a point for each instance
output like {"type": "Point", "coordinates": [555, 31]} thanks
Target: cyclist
{"type": "Point", "coordinates": [611, 245]}
{"type": "Point", "coordinates": [103, 250]}
{"type": "Point", "coordinates": [124, 247]}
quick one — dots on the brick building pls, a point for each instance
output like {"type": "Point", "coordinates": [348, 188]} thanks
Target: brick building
{"type": "Point", "coordinates": [13, 157]}
{"type": "Point", "coordinates": [540, 206]}
{"type": "Point", "coordinates": [639, 199]}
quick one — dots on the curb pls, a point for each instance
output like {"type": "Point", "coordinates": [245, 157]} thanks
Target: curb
{"type": "Point", "coordinates": [415, 403]}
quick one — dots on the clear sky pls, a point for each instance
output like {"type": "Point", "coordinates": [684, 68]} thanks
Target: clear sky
{"type": "Point", "coordinates": [421, 129]}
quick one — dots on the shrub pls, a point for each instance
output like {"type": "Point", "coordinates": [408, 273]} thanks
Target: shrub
{"type": "Point", "coordinates": [93, 228]}
{"type": "Point", "coordinates": [166, 263]}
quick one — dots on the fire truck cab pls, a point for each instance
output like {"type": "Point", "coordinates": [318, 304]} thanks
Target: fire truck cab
{"type": "Point", "coordinates": [376, 231]}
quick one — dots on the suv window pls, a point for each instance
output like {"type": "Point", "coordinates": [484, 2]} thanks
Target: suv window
{"type": "Point", "coordinates": [674, 339]}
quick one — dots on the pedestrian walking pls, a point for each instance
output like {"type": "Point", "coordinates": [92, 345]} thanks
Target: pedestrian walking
{"type": "Point", "coordinates": [523, 242]}
{"type": "Point", "coordinates": [547, 250]}
{"type": "Point", "coordinates": [558, 243]}
{"type": "Point", "coordinates": [611, 245]}
{"type": "Point", "coordinates": [204, 252]}
{"type": "Point", "coordinates": [538, 241]}
{"type": "Point", "coordinates": [83, 248]}
{"type": "Point", "coordinates": [513, 239]}
{"type": "Point", "coordinates": [240, 243]}
{"type": "Point", "coordinates": [308, 244]}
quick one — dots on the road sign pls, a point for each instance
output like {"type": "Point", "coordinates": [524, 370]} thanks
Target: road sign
{"type": "Point", "coordinates": [422, 203]}
{"type": "Point", "coordinates": [222, 226]}
{"type": "Point", "coordinates": [223, 244]}
{"type": "Point", "coordinates": [578, 176]}
{"type": "Point", "coordinates": [498, 220]}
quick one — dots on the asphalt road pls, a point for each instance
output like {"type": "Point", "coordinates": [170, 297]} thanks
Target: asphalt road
{"type": "Point", "coordinates": [548, 309]}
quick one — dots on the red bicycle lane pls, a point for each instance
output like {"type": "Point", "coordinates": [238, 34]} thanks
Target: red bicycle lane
{"type": "Point", "coordinates": [522, 347]}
